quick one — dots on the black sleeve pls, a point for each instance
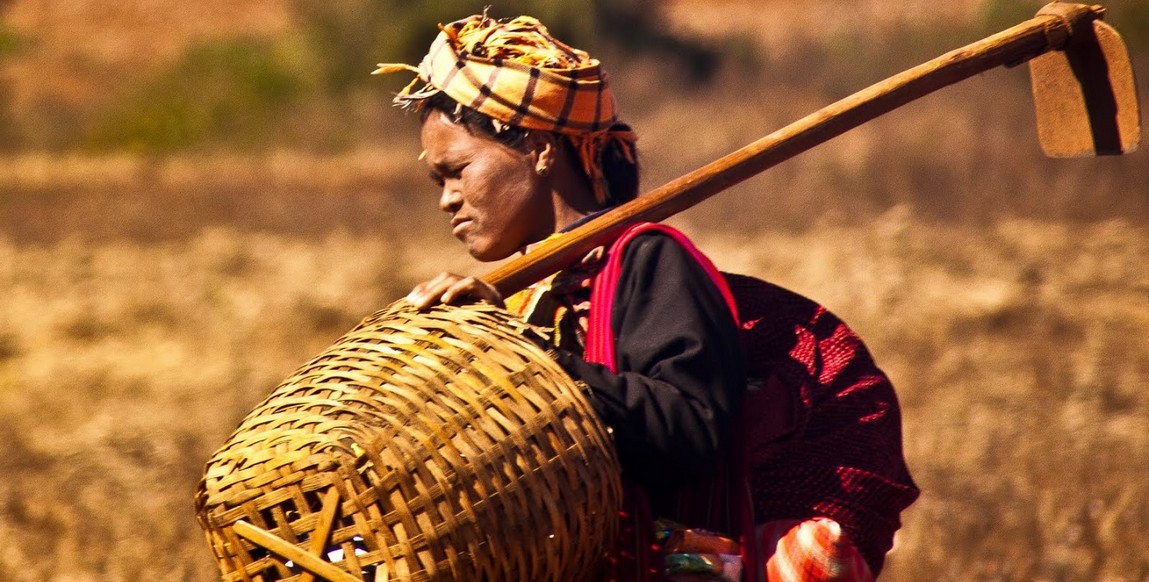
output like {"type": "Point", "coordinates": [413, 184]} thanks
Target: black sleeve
{"type": "Point", "coordinates": [681, 371]}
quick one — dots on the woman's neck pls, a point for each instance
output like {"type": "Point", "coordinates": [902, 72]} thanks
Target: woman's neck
{"type": "Point", "coordinates": [572, 196]}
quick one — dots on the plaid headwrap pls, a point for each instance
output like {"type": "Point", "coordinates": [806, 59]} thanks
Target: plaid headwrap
{"type": "Point", "coordinates": [516, 73]}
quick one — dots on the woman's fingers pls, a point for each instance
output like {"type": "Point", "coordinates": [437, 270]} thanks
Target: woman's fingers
{"type": "Point", "coordinates": [429, 293]}
{"type": "Point", "coordinates": [449, 288]}
{"type": "Point", "coordinates": [474, 289]}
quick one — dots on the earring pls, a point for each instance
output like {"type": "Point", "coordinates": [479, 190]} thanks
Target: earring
{"type": "Point", "coordinates": [542, 171]}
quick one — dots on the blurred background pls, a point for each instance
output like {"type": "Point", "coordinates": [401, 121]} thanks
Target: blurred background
{"type": "Point", "coordinates": [196, 197]}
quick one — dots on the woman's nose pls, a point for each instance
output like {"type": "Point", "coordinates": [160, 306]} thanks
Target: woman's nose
{"type": "Point", "coordinates": [451, 198]}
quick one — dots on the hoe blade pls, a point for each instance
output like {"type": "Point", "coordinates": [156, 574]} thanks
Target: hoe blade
{"type": "Point", "coordinates": [1085, 95]}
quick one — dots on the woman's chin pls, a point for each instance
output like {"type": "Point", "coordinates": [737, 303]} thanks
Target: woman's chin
{"type": "Point", "coordinates": [487, 253]}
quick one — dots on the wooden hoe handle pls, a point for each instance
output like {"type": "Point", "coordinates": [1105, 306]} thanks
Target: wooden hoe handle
{"type": "Point", "coordinates": [1049, 30]}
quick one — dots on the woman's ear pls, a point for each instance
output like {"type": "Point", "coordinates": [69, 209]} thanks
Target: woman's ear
{"type": "Point", "coordinates": [543, 147]}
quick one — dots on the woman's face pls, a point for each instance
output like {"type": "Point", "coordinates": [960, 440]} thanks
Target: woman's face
{"type": "Point", "coordinates": [497, 202]}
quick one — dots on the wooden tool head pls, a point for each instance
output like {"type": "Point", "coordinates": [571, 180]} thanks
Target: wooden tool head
{"type": "Point", "coordinates": [1084, 92]}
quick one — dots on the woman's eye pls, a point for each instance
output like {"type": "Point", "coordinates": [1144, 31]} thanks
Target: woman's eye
{"type": "Point", "coordinates": [439, 177]}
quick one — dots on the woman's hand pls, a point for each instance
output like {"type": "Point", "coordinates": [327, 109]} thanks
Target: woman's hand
{"type": "Point", "coordinates": [452, 289]}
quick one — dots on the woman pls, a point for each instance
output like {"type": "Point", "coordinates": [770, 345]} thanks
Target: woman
{"type": "Point", "coordinates": [521, 135]}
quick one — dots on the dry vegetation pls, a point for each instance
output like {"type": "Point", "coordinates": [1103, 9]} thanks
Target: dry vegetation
{"type": "Point", "coordinates": [1019, 350]}
{"type": "Point", "coordinates": [148, 304]}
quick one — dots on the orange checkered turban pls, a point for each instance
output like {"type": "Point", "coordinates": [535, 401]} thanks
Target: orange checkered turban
{"type": "Point", "coordinates": [516, 73]}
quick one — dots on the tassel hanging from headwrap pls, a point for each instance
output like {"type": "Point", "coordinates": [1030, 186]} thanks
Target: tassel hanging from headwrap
{"type": "Point", "coordinates": [590, 151]}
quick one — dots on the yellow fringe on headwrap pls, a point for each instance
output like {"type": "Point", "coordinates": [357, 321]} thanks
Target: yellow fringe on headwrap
{"type": "Point", "coordinates": [516, 73]}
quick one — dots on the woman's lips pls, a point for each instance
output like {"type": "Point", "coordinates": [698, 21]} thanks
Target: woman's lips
{"type": "Point", "coordinates": [458, 225]}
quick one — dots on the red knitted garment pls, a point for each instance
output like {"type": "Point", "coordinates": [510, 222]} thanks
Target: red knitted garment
{"type": "Point", "coordinates": [831, 441]}
{"type": "Point", "coordinates": [821, 428]}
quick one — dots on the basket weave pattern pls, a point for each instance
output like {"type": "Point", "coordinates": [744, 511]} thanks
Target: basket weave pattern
{"type": "Point", "coordinates": [420, 446]}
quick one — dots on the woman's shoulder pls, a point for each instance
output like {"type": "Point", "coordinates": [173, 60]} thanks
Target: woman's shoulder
{"type": "Point", "coordinates": [655, 240]}
{"type": "Point", "coordinates": [665, 262]}
{"type": "Point", "coordinates": [661, 249]}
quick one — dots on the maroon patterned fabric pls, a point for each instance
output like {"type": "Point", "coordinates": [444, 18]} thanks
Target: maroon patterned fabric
{"type": "Point", "coordinates": [823, 426]}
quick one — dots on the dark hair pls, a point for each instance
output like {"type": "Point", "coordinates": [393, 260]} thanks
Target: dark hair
{"type": "Point", "coordinates": [620, 169]}
{"type": "Point", "coordinates": [621, 173]}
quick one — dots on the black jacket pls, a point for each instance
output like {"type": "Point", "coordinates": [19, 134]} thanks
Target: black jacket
{"type": "Point", "coordinates": [681, 371]}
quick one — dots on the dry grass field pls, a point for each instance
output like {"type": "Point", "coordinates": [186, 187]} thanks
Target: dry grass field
{"type": "Point", "coordinates": [147, 304]}
{"type": "Point", "coordinates": [1019, 349]}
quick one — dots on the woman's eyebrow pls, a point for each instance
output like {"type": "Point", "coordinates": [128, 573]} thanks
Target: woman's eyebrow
{"type": "Point", "coordinates": [442, 168]}
{"type": "Point", "coordinates": [436, 158]}
{"type": "Point", "coordinates": [447, 163]}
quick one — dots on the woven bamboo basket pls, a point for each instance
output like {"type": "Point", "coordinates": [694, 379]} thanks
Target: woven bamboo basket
{"type": "Point", "coordinates": [441, 445]}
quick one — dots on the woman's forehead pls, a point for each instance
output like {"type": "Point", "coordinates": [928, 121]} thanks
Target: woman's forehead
{"type": "Point", "coordinates": [444, 139]}
{"type": "Point", "coordinates": [441, 136]}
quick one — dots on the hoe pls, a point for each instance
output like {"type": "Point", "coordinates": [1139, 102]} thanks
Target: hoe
{"type": "Point", "coordinates": [1083, 90]}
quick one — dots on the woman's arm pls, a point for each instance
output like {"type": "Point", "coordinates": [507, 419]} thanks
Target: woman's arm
{"type": "Point", "coordinates": [681, 372]}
